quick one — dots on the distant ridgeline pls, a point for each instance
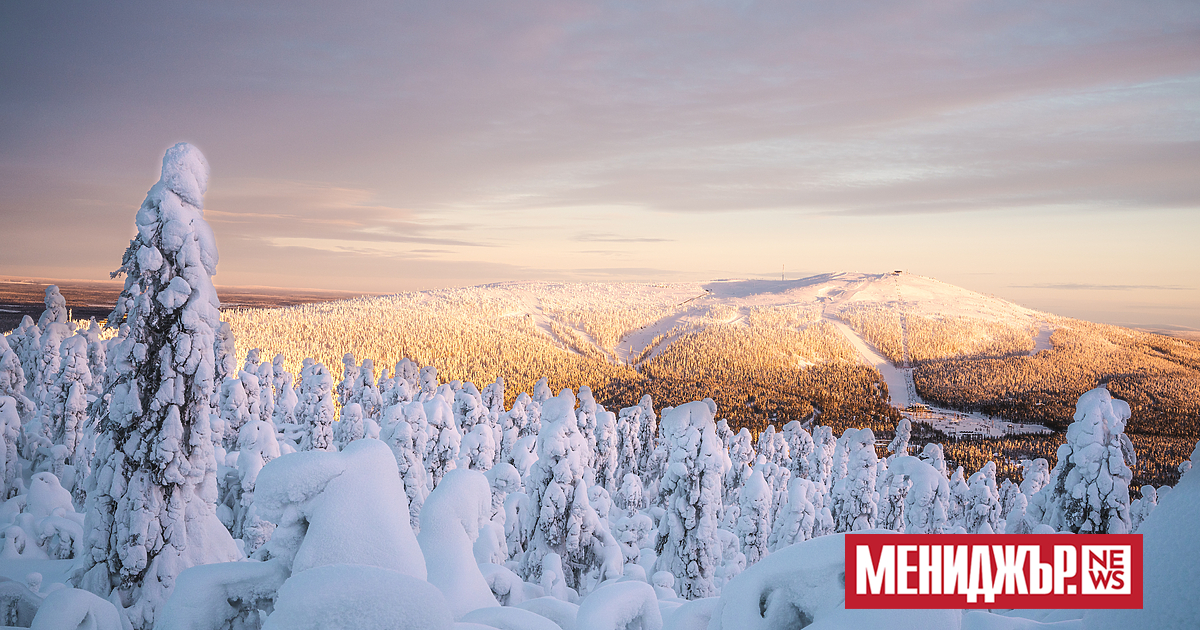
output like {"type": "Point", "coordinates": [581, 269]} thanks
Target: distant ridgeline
{"type": "Point", "coordinates": [768, 352]}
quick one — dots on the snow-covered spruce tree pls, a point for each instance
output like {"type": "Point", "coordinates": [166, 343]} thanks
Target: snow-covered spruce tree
{"type": "Point", "coordinates": [927, 499]}
{"type": "Point", "coordinates": [1008, 497]}
{"type": "Point", "coordinates": [286, 400]}
{"type": "Point", "coordinates": [855, 501]}
{"type": "Point", "coordinates": [477, 450]}
{"type": "Point", "coordinates": [982, 514]}
{"type": "Point", "coordinates": [820, 467]}
{"type": "Point", "coordinates": [257, 446]}
{"type": "Point", "coordinates": [47, 362]}
{"type": "Point", "coordinates": [893, 491]}
{"type": "Point", "coordinates": [10, 434]}
{"type": "Point", "coordinates": [368, 394]}
{"type": "Point", "coordinates": [686, 543]}
{"type": "Point", "coordinates": [606, 450]}
{"type": "Point", "coordinates": [349, 426]}
{"type": "Point", "coordinates": [587, 424]}
{"type": "Point", "coordinates": [56, 308]}
{"type": "Point", "coordinates": [561, 522]}
{"type": "Point", "coordinates": [741, 456]}
{"type": "Point", "coordinates": [97, 355]}
{"type": "Point", "coordinates": [405, 431]}
{"type": "Point", "coordinates": [899, 444]}
{"type": "Point", "coordinates": [1035, 474]}
{"type": "Point", "coordinates": [800, 447]}
{"type": "Point", "coordinates": [1089, 486]}
{"type": "Point", "coordinates": [151, 499]}
{"type": "Point", "coordinates": [226, 359]}
{"type": "Point", "coordinates": [346, 388]}
{"type": "Point", "coordinates": [65, 408]}
{"type": "Point", "coordinates": [932, 454]}
{"type": "Point", "coordinates": [12, 382]}
{"type": "Point", "coordinates": [266, 393]}
{"type": "Point", "coordinates": [316, 409]}
{"type": "Point", "coordinates": [24, 341]}
{"type": "Point", "coordinates": [1141, 508]}
{"type": "Point", "coordinates": [629, 496]}
{"type": "Point", "coordinates": [647, 432]}
{"type": "Point", "coordinates": [960, 498]}
{"type": "Point", "coordinates": [628, 442]}
{"type": "Point", "coordinates": [796, 520]}
{"type": "Point", "coordinates": [234, 410]}
{"type": "Point", "coordinates": [754, 520]}
{"type": "Point", "coordinates": [443, 439]}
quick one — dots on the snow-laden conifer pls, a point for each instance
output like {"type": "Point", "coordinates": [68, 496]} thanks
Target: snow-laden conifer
{"type": "Point", "coordinates": [899, 444]}
{"type": "Point", "coordinates": [647, 433]}
{"type": "Point", "coordinates": [316, 408]}
{"type": "Point", "coordinates": [349, 426]}
{"type": "Point", "coordinates": [855, 501]}
{"type": "Point", "coordinates": [443, 440]}
{"type": "Point", "coordinates": [796, 520]}
{"type": "Point", "coordinates": [1035, 474]}
{"type": "Point", "coordinates": [10, 435]}
{"type": "Point", "coordinates": [65, 408]}
{"type": "Point", "coordinates": [820, 466]}
{"type": "Point", "coordinates": [687, 542]}
{"type": "Point", "coordinates": [607, 455]}
{"type": "Point", "coordinates": [586, 417]}
{"type": "Point", "coordinates": [741, 456]}
{"type": "Point", "coordinates": [561, 522]}
{"type": "Point", "coordinates": [405, 431]}
{"type": "Point", "coordinates": [12, 382]}
{"type": "Point", "coordinates": [925, 504]}
{"type": "Point", "coordinates": [754, 520]}
{"type": "Point", "coordinates": [56, 308]}
{"type": "Point", "coordinates": [234, 411]}
{"type": "Point", "coordinates": [932, 454]}
{"type": "Point", "coordinates": [1089, 486]}
{"type": "Point", "coordinates": [982, 514]}
{"type": "Point", "coordinates": [151, 498]}
{"type": "Point", "coordinates": [800, 448]}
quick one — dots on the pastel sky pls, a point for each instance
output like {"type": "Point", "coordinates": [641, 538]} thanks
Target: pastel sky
{"type": "Point", "coordinates": [1044, 152]}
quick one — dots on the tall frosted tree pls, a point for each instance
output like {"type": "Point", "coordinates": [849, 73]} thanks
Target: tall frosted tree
{"type": "Point", "coordinates": [855, 501]}
{"type": "Point", "coordinates": [687, 543]}
{"type": "Point", "coordinates": [1089, 486]}
{"type": "Point", "coordinates": [561, 523]}
{"type": "Point", "coordinates": [151, 508]}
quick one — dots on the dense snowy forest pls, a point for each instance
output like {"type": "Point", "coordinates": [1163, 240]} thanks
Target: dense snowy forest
{"type": "Point", "coordinates": [189, 485]}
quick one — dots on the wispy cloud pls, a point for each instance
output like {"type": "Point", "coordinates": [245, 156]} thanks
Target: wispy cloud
{"type": "Point", "coordinates": [601, 237]}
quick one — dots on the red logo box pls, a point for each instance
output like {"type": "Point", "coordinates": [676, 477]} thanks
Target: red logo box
{"type": "Point", "coordinates": [993, 571]}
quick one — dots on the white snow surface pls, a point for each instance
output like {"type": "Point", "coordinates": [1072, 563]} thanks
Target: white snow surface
{"type": "Point", "coordinates": [74, 609]}
{"type": "Point", "coordinates": [355, 597]}
{"type": "Point", "coordinates": [509, 618]}
{"type": "Point", "coordinates": [620, 605]}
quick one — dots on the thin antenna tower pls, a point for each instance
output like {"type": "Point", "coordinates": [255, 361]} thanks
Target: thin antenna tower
{"type": "Point", "coordinates": [782, 272]}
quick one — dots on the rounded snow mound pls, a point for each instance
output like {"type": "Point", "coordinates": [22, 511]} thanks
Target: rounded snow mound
{"type": "Point", "coordinates": [185, 172]}
{"type": "Point", "coordinates": [358, 597]}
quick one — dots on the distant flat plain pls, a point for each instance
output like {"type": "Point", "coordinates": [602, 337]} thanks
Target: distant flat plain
{"type": "Point", "coordinates": [95, 298]}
